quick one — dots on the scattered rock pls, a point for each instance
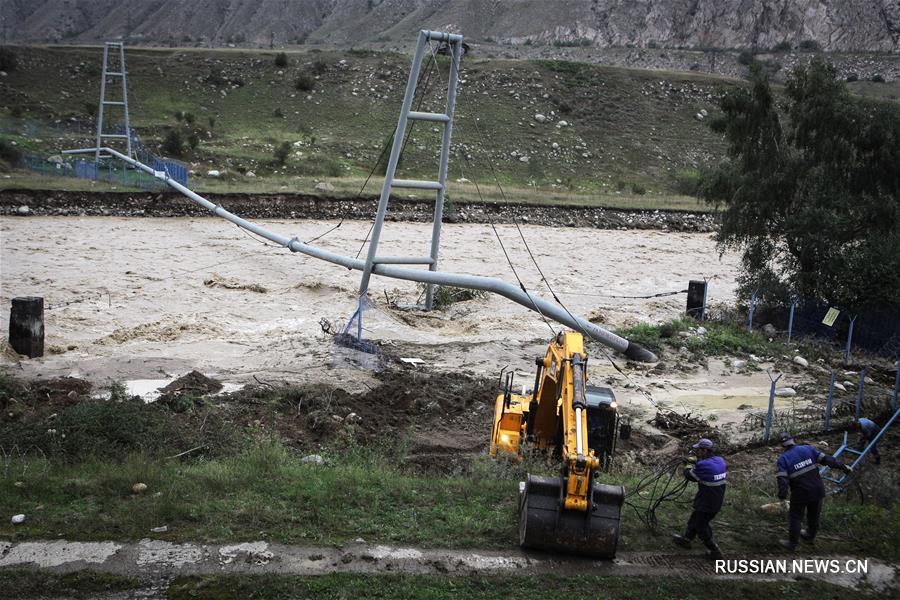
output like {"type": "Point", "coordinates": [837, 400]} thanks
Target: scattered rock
{"type": "Point", "coordinates": [251, 174]}
{"type": "Point", "coordinates": [523, 159]}
{"type": "Point", "coordinates": [162, 529]}
{"type": "Point", "coordinates": [701, 330]}
{"type": "Point", "coordinates": [769, 330]}
{"type": "Point", "coordinates": [739, 364]}
{"type": "Point", "coordinates": [139, 487]}
{"type": "Point", "coordinates": [848, 384]}
{"type": "Point", "coordinates": [313, 459]}
{"type": "Point", "coordinates": [840, 386]}
{"type": "Point", "coordinates": [23, 210]}
{"type": "Point", "coordinates": [799, 360]}
{"type": "Point", "coordinates": [213, 173]}
{"type": "Point", "coordinates": [540, 118]}
{"type": "Point", "coordinates": [18, 519]}
{"type": "Point", "coordinates": [324, 186]}
{"type": "Point", "coordinates": [785, 392]}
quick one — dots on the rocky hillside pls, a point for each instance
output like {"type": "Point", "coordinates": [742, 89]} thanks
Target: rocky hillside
{"type": "Point", "coordinates": [848, 25]}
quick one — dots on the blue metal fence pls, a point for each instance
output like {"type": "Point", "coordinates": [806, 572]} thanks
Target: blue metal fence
{"type": "Point", "coordinates": [112, 170]}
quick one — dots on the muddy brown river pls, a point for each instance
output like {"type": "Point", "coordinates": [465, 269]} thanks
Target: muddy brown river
{"type": "Point", "coordinates": [146, 299]}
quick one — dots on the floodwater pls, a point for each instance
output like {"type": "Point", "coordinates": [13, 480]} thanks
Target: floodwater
{"type": "Point", "coordinates": [152, 298]}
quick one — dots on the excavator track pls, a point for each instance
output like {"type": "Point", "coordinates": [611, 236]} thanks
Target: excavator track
{"type": "Point", "coordinates": [545, 525]}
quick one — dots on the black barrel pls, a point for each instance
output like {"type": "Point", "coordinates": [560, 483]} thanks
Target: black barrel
{"type": "Point", "coordinates": [544, 525]}
{"type": "Point", "coordinates": [26, 326]}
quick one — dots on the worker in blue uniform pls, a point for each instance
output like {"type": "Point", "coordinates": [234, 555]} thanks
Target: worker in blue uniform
{"type": "Point", "coordinates": [798, 472]}
{"type": "Point", "coordinates": [868, 430]}
{"type": "Point", "coordinates": [709, 473]}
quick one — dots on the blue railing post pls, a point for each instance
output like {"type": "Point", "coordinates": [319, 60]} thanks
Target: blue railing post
{"type": "Point", "coordinates": [859, 392]}
{"type": "Point", "coordinates": [752, 310]}
{"type": "Point", "coordinates": [896, 385]}
{"type": "Point", "coordinates": [829, 403]}
{"type": "Point", "coordinates": [771, 406]}
{"type": "Point", "coordinates": [849, 341]}
{"type": "Point", "coordinates": [791, 322]}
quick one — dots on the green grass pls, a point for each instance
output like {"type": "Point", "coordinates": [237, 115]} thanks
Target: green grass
{"type": "Point", "coordinates": [267, 493]}
{"type": "Point", "coordinates": [263, 493]}
{"type": "Point", "coordinates": [486, 588]}
{"type": "Point", "coordinates": [631, 134]}
{"type": "Point", "coordinates": [720, 338]}
{"type": "Point", "coordinates": [24, 583]}
{"type": "Point", "coordinates": [349, 187]}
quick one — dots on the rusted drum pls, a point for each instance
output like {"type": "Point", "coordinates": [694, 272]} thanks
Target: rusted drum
{"type": "Point", "coordinates": [544, 526]}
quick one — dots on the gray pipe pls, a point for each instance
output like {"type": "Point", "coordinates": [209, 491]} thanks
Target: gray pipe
{"type": "Point", "coordinates": [474, 282]}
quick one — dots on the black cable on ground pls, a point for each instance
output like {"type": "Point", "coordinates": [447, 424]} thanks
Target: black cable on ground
{"type": "Point", "coordinates": [662, 486]}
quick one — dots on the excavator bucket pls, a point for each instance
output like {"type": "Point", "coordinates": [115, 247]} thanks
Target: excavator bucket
{"type": "Point", "coordinates": [545, 525]}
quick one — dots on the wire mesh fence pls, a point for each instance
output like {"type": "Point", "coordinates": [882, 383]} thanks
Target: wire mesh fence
{"type": "Point", "coordinates": [876, 329]}
{"type": "Point", "coordinates": [112, 170]}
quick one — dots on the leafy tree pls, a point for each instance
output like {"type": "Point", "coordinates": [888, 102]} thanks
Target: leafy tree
{"type": "Point", "coordinates": [810, 194]}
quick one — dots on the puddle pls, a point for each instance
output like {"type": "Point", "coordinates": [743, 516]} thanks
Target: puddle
{"type": "Point", "coordinates": [719, 401]}
{"type": "Point", "coordinates": [151, 389]}
{"type": "Point", "coordinates": [148, 389]}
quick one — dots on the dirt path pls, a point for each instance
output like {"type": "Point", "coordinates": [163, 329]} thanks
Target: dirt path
{"type": "Point", "coordinates": [159, 560]}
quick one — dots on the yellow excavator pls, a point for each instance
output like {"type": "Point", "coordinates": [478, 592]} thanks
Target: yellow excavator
{"type": "Point", "coordinates": [566, 418]}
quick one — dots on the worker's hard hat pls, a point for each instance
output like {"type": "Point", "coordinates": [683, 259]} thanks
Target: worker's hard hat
{"type": "Point", "coordinates": [705, 444]}
{"type": "Point", "coordinates": [786, 439]}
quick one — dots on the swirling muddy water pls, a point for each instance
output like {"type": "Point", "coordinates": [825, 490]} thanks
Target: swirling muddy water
{"type": "Point", "coordinates": [150, 298]}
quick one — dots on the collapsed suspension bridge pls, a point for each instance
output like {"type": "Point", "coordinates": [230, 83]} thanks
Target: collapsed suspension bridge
{"type": "Point", "coordinates": [374, 264]}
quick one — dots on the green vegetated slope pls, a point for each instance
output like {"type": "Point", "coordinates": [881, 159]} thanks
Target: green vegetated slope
{"type": "Point", "coordinates": [608, 131]}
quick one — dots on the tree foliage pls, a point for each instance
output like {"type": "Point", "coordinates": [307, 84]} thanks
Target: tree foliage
{"type": "Point", "coordinates": [809, 191]}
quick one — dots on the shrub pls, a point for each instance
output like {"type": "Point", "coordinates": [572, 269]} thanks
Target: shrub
{"type": "Point", "coordinates": [281, 59]}
{"type": "Point", "coordinates": [852, 77]}
{"type": "Point", "coordinates": [189, 118]}
{"type": "Point", "coordinates": [8, 59]}
{"type": "Point", "coordinates": [877, 78]}
{"type": "Point", "coordinates": [9, 154]}
{"type": "Point", "coordinates": [278, 113]}
{"type": "Point", "coordinates": [193, 141]}
{"type": "Point", "coordinates": [90, 109]}
{"type": "Point", "coordinates": [746, 57]}
{"type": "Point", "coordinates": [173, 144]}
{"type": "Point", "coordinates": [212, 122]}
{"type": "Point", "coordinates": [319, 67]}
{"type": "Point", "coordinates": [687, 182]}
{"type": "Point", "coordinates": [784, 46]}
{"type": "Point", "coordinates": [810, 46]}
{"type": "Point", "coordinates": [281, 152]}
{"type": "Point", "coordinates": [179, 115]}
{"type": "Point", "coordinates": [305, 82]}
{"type": "Point", "coordinates": [638, 189]}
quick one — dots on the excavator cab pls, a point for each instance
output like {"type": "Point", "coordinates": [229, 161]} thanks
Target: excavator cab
{"type": "Point", "coordinates": [603, 423]}
{"type": "Point", "coordinates": [577, 423]}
